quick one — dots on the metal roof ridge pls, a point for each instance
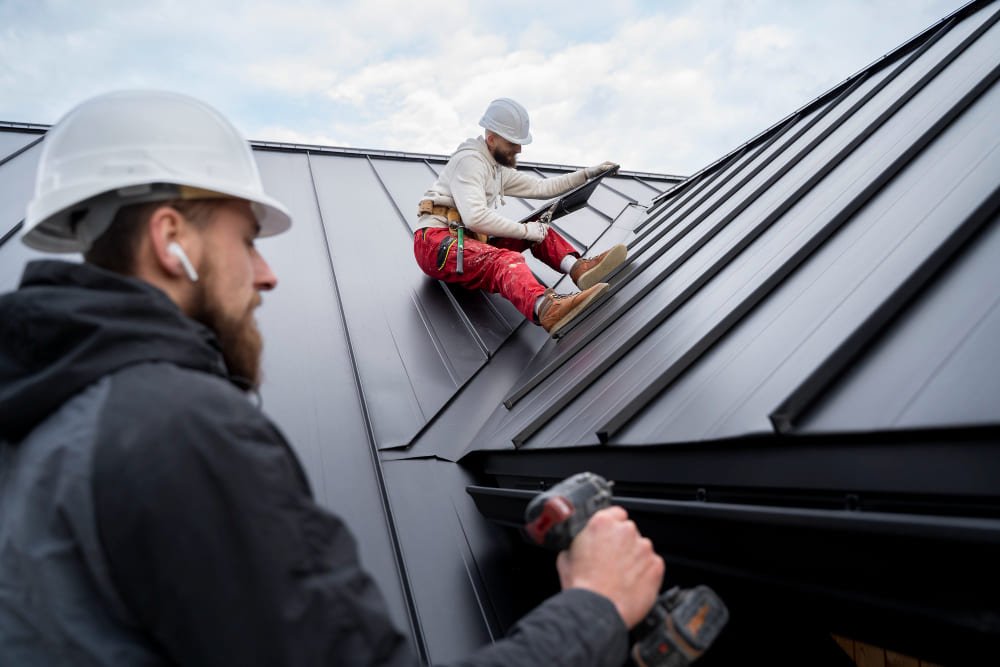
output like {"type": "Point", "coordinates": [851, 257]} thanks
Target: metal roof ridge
{"type": "Point", "coordinates": [30, 127]}
{"type": "Point", "coordinates": [41, 128]}
{"type": "Point", "coordinates": [407, 155]}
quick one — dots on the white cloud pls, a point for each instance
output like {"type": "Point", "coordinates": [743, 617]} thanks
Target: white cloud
{"type": "Point", "coordinates": [762, 42]}
{"type": "Point", "coordinates": [656, 86]}
{"type": "Point", "coordinates": [290, 135]}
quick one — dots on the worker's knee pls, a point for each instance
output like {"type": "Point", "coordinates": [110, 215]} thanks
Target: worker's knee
{"type": "Point", "coordinates": [505, 257]}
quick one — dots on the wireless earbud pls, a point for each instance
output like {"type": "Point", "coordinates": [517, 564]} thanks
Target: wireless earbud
{"type": "Point", "coordinates": [175, 249]}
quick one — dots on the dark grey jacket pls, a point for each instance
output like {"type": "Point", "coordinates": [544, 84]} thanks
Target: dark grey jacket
{"type": "Point", "coordinates": [151, 515]}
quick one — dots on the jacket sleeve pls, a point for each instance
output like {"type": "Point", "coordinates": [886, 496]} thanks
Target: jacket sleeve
{"type": "Point", "coordinates": [575, 627]}
{"type": "Point", "coordinates": [468, 189]}
{"type": "Point", "coordinates": [519, 184]}
{"type": "Point", "coordinates": [220, 553]}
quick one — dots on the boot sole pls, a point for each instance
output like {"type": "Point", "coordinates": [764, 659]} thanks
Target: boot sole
{"type": "Point", "coordinates": [568, 317]}
{"type": "Point", "coordinates": [607, 265]}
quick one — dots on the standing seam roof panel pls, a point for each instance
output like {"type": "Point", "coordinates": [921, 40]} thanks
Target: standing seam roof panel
{"type": "Point", "coordinates": [644, 261]}
{"type": "Point", "coordinates": [936, 57]}
{"type": "Point", "coordinates": [12, 142]}
{"type": "Point", "coordinates": [405, 183]}
{"type": "Point", "coordinates": [405, 378]}
{"type": "Point", "coordinates": [940, 354]}
{"type": "Point", "coordinates": [663, 379]}
{"type": "Point", "coordinates": [916, 145]}
{"type": "Point", "coordinates": [731, 390]}
{"type": "Point", "coordinates": [309, 383]}
{"type": "Point", "coordinates": [17, 185]}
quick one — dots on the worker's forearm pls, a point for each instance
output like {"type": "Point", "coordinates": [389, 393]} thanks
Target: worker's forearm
{"type": "Point", "coordinates": [520, 184]}
{"type": "Point", "coordinates": [468, 189]}
{"type": "Point", "coordinates": [491, 223]}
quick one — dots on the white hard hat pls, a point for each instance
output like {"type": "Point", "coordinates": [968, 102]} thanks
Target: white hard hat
{"type": "Point", "coordinates": [508, 119]}
{"type": "Point", "coordinates": [138, 146]}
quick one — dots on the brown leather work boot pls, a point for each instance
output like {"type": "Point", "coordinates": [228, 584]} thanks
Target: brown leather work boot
{"type": "Point", "coordinates": [587, 272]}
{"type": "Point", "coordinates": [558, 310]}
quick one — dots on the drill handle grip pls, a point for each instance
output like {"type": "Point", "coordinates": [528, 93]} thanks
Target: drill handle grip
{"type": "Point", "coordinates": [680, 628]}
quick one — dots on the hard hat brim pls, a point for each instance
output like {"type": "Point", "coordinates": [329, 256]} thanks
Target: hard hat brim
{"type": "Point", "coordinates": [520, 141]}
{"type": "Point", "coordinates": [46, 230]}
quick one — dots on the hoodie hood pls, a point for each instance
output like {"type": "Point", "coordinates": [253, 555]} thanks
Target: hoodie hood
{"type": "Point", "coordinates": [68, 325]}
{"type": "Point", "coordinates": [478, 145]}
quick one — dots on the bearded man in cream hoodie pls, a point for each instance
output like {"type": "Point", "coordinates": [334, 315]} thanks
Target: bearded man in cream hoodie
{"type": "Point", "coordinates": [470, 187]}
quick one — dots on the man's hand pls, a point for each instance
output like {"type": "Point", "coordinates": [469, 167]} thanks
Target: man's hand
{"type": "Point", "coordinates": [610, 557]}
{"type": "Point", "coordinates": [601, 168]}
{"type": "Point", "coordinates": [535, 231]}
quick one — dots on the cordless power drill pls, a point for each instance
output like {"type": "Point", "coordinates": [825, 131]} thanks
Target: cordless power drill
{"type": "Point", "coordinates": [683, 622]}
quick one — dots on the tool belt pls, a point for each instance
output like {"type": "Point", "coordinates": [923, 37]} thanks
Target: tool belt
{"type": "Point", "coordinates": [469, 234]}
{"type": "Point", "coordinates": [454, 218]}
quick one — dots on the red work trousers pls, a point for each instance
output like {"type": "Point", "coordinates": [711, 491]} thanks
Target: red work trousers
{"type": "Point", "coordinates": [497, 266]}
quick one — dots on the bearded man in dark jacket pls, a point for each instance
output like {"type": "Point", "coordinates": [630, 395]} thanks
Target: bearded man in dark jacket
{"type": "Point", "coordinates": [150, 514]}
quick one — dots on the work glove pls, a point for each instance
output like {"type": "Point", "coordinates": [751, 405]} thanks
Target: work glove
{"type": "Point", "coordinates": [535, 231]}
{"type": "Point", "coordinates": [601, 168]}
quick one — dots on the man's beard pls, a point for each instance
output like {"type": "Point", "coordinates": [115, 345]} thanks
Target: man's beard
{"type": "Point", "coordinates": [506, 159]}
{"type": "Point", "coordinates": [239, 338]}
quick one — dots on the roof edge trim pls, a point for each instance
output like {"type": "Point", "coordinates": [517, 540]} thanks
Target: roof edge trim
{"type": "Point", "coordinates": [406, 155]}
{"type": "Point", "coordinates": [33, 128]}
{"type": "Point", "coordinates": [38, 128]}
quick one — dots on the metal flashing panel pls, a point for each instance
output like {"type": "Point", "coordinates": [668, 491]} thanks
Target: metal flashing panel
{"type": "Point", "coordinates": [454, 559]}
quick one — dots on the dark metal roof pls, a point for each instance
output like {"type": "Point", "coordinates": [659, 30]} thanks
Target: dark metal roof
{"type": "Point", "coordinates": [794, 381]}
{"type": "Point", "coordinates": [797, 365]}
{"type": "Point", "coordinates": [752, 291]}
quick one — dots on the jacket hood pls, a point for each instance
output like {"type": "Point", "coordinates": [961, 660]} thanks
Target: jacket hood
{"type": "Point", "coordinates": [68, 324]}
{"type": "Point", "coordinates": [478, 144]}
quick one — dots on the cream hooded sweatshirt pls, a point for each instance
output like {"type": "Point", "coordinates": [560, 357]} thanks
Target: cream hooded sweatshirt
{"type": "Point", "coordinates": [474, 183]}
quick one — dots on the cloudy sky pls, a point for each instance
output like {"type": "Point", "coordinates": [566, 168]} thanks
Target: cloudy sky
{"type": "Point", "coordinates": [659, 85]}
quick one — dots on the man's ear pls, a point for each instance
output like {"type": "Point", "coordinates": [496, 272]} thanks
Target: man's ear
{"type": "Point", "coordinates": [491, 139]}
{"type": "Point", "coordinates": [168, 226]}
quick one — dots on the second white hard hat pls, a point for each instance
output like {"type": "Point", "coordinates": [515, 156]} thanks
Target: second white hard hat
{"type": "Point", "coordinates": [137, 146]}
{"type": "Point", "coordinates": [508, 119]}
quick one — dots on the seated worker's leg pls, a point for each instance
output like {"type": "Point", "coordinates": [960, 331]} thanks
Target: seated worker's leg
{"type": "Point", "coordinates": [501, 271]}
{"type": "Point", "coordinates": [559, 254]}
{"type": "Point", "coordinates": [485, 267]}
